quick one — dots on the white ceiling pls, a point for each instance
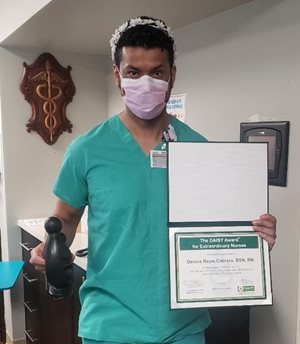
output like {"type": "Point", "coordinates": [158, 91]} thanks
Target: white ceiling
{"type": "Point", "coordinates": [87, 25]}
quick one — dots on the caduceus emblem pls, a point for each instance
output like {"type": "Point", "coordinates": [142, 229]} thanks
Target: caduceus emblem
{"type": "Point", "coordinates": [48, 87]}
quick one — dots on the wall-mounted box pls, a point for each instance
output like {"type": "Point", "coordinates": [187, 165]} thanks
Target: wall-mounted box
{"type": "Point", "coordinates": [276, 134]}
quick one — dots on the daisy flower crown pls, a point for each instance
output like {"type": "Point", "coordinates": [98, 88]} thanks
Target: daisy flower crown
{"type": "Point", "coordinates": [156, 23]}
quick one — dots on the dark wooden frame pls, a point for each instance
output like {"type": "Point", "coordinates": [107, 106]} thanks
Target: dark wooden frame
{"type": "Point", "coordinates": [49, 88]}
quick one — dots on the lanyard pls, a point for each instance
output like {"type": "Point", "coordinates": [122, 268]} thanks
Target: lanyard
{"type": "Point", "coordinates": [169, 135]}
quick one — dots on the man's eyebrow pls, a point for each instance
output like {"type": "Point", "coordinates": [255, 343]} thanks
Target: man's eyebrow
{"type": "Point", "coordinates": [137, 68]}
{"type": "Point", "coordinates": [159, 66]}
{"type": "Point", "coordinates": [131, 67]}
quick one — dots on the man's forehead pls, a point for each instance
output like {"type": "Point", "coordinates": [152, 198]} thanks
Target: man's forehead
{"type": "Point", "coordinates": [140, 56]}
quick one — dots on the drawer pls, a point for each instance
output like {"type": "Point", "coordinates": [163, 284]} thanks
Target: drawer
{"type": "Point", "coordinates": [32, 324]}
{"type": "Point", "coordinates": [32, 337]}
{"type": "Point", "coordinates": [28, 242]}
{"type": "Point", "coordinates": [31, 293]}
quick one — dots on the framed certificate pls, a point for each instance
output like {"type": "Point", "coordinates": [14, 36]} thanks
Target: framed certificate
{"type": "Point", "coordinates": [218, 266]}
{"type": "Point", "coordinates": [215, 191]}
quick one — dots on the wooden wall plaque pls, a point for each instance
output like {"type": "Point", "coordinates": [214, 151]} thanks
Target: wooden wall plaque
{"type": "Point", "coordinates": [48, 87]}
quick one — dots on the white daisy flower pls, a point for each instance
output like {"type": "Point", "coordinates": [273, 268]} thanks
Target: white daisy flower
{"type": "Point", "coordinates": [156, 23]}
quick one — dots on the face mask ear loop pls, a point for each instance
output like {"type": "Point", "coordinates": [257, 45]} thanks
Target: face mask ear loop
{"type": "Point", "coordinates": [120, 83]}
{"type": "Point", "coordinates": [169, 87]}
{"type": "Point", "coordinates": [170, 79]}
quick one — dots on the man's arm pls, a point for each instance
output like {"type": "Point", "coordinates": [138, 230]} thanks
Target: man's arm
{"type": "Point", "coordinates": [70, 218]}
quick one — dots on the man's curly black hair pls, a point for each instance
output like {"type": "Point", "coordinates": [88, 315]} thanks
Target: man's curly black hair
{"type": "Point", "coordinates": [145, 36]}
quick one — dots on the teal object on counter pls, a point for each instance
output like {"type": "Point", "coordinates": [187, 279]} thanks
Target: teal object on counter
{"type": "Point", "coordinates": [9, 273]}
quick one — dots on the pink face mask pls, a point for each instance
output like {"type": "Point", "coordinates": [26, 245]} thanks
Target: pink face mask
{"type": "Point", "coordinates": [145, 97]}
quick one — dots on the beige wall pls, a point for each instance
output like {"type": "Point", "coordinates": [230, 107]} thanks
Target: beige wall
{"type": "Point", "coordinates": [30, 165]}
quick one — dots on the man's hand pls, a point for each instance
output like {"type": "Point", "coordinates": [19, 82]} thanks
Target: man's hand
{"type": "Point", "coordinates": [265, 226]}
{"type": "Point", "coordinates": [37, 257]}
{"type": "Point", "coordinates": [70, 218]}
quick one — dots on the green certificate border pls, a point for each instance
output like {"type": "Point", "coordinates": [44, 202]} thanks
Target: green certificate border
{"type": "Point", "coordinates": [244, 234]}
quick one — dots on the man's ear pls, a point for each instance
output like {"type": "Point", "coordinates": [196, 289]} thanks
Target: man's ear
{"type": "Point", "coordinates": [172, 81]}
{"type": "Point", "coordinates": [117, 79]}
{"type": "Point", "coordinates": [116, 76]}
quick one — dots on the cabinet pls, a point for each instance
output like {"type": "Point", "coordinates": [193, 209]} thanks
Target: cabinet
{"type": "Point", "coordinates": [48, 321]}
{"type": "Point", "coordinates": [230, 325]}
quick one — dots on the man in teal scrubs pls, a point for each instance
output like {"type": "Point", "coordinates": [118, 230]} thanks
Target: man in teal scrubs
{"type": "Point", "coordinates": [118, 169]}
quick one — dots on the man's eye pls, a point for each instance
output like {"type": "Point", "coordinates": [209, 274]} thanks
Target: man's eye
{"type": "Point", "coordinates": [158, 73]}
{"type": "Point", "coordinates": [133, 73]}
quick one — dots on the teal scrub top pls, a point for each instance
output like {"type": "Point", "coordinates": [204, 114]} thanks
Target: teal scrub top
{"type": "Point", "coordinates": [125, 297]}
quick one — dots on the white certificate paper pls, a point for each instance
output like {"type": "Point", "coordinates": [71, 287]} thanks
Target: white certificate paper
{"type": "Point", "coordinates": [217, 181]}
{"type": "Point", "coordinates": [215, 191]}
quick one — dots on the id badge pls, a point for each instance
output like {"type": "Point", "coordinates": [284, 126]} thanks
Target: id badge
{"type": "Point", "coordinates": [158, 158]}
